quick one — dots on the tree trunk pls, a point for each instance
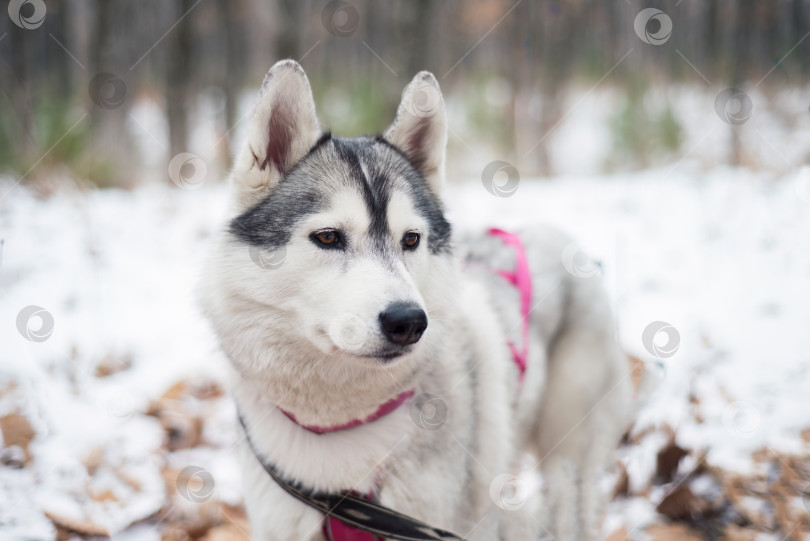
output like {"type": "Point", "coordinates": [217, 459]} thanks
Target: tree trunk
{"type": "Point", "coordinates": [741, 43]}
{"type": "Point", "coordinates": [178, 80]}
{"type": "Point", "coordinates": [20, 91]}
{"type": "Point", "coordinates": [233, 70]}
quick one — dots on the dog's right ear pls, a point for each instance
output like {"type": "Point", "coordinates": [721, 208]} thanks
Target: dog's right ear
{"type": "Point", "coordinates": [283, 128]}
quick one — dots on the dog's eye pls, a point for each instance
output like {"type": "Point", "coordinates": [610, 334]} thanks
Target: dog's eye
{"type": "Point", "coordinates": [327, 238]}
{"type": "Point", "coordinates": [410, 240]}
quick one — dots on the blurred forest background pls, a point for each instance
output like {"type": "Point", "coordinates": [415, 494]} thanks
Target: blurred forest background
{"type": "Point", "coordinates": [673, 140]}
{"type": "Point", "coordinates": [83, 80]}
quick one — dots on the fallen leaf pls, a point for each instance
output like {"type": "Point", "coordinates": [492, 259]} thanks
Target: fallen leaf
{"type": "Point", "coordinates": [622, 487]}
{"type": "Point", "coordinates": [17, 431]}
{"type": "Point", "coordinates": [105, 496]}
{"type": "Point", "coordinates": [81, 527]}
{"type": "Point", "coordinates": [732, 532]}
{"type": "Point", "coordinates": [682, 503]}
{"type": "Point", "coordinates": [667, 461]}
{"type": "Point", "coordinates": [672, 532]}
{"type": "Point", "coordinates": [111, 364]}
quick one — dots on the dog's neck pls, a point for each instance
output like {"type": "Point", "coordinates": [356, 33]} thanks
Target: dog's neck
{"type": "Point", "coordinates": [384, 409]}
{"type": "Point", "coordinates": [322, 393]}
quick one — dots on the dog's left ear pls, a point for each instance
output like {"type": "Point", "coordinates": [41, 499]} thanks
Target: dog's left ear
{"type": "Point", "coordinates": [420, 128]}
{"type": "Point", "coordinates": [283, 128]}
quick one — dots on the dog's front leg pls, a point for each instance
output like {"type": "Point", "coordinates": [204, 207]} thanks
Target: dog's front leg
{"type": "Point", "coordinates": [563, 500]}
{"type": "Point", "coordinates": [273, 514]}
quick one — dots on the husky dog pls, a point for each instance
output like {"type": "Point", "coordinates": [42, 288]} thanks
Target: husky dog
{"type": "Point", "coordinates": [336, 286]}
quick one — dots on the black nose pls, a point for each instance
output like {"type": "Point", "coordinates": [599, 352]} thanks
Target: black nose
{"type": "Point", "coordinates": [403, 323]}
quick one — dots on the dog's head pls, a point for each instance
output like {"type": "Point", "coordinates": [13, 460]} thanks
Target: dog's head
{"type": "Point", "coordinates": [338, 245]}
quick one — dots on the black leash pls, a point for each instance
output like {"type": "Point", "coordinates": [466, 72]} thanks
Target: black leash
{"type": "Point", "coordinates": [354, 511]}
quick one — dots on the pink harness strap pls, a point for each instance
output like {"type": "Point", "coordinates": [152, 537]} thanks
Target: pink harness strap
{"type": "Point", "coordinates": [382, 411]}
{"type": "Point", "coordinates": [521, 278]}
{"type": "Point", "coordinates": [335, 530]}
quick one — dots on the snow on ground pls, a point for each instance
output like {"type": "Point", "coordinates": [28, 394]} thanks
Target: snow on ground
{"type": "Point", "coordinates": [720, 256]}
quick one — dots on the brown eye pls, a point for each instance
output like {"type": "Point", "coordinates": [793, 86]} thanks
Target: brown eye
{"type": "Point", "coordinates": [410, 240]}
{"type": "Point", "coordinates": [327, 238]}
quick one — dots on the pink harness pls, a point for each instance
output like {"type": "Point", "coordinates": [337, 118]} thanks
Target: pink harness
{"type": "Point", "coordinates": [335, 530]}
{"type": "Point", "coordinates": [521, 278]}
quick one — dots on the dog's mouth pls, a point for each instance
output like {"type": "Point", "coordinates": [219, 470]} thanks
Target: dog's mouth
{"type": "Point", "coordinates": [388, 355]}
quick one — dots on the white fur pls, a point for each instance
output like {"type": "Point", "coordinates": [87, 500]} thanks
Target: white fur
{"type": "Point", "coordinates": [281, 331]}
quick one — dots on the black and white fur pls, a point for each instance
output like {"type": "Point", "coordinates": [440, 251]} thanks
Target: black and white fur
{"type": "Point", "coordinates": [303, 334]}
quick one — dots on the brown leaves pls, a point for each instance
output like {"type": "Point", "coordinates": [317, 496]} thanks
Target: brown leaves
{"type": "Point", "coordinates": [17, 435]}
{"type": "Point", "coordinates": [65, 526]}
{"type": "Point", "coordinates": [182, 412]}
{"type": "Point", "coordinates": [672, 532]}
{"type": "Point", "coordinates": [776, 500]}
{"type": "Point", "coordinates": [682, 504]}
{"type": "Point", "coordinates": [110, 365]}
{"type": "Point", "coordinates": [120, 490]}
{"type": "Point", "coordinates": [622, 486]}
{"type": "Point", "coordinates": [668, 460]}
{"type": "Point", "coordinates": [708, 501]}
{"type": "Point", "coordinates": [732, 532]}
{"type": "Point", "coordinates": [210, 521]}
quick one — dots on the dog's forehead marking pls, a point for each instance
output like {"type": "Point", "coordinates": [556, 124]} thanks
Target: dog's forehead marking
{"type": "Point", "coordinates": [363, 168]}
{"type": "Point", "coordinates": [367, 180]}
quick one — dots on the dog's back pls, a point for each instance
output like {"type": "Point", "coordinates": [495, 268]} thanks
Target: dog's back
{"type": "Point", "coordinates": [574, 403]}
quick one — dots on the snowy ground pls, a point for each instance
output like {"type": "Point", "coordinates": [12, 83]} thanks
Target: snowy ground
{"type": "Point", "coordinates": [120, 403]}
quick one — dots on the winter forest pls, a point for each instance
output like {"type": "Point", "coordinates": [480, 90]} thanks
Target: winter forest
{"type": "Point", "coordinates": [670, 138]}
